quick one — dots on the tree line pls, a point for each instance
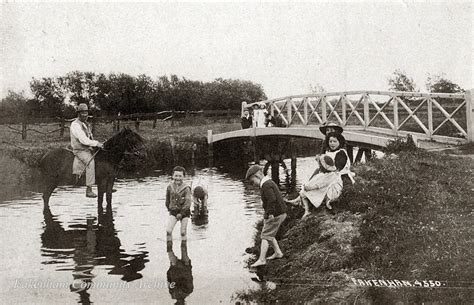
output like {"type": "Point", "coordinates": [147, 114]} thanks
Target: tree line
{"type": "Point", "coordinates": [122, 93]}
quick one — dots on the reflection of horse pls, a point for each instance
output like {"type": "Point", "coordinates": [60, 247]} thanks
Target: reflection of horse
{"type": "Point", "coordinates": [56, 165]}
{"type": "Point", "coordinates": [89, 245]}
{"type": "Point", "coordinates": [179, 274]}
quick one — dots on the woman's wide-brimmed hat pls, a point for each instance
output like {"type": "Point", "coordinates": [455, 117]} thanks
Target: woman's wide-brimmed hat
{"type": "Point", "coordinates": [327, 163]}
{"type": "Point", "coordinates": [323, 128]}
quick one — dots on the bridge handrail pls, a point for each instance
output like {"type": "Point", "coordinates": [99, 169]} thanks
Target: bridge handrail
{"type": "Point", "coordinates": [300, 107]}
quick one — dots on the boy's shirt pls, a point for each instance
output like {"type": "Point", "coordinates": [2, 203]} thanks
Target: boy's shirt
{"type": "Point", "coordinates": [178, 197]}
{"type": "Point", "coordinates": [272, 200]}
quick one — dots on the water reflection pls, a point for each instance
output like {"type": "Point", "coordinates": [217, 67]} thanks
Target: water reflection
{"type": "Point", "coordinates": [88, 245]}
{"type": "Point", "coordinates": [179, 274]}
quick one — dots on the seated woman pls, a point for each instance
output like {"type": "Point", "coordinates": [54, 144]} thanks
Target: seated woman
{"type": "Point", "coordinates": [326, 185]}
{"type": "Point", "coordinates": [336, 149]}
{"type": "Point", "coordinates": [335, 144]}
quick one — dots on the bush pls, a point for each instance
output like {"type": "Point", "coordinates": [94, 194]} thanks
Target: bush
{"type": "Point", "coordinates": [400, 145]}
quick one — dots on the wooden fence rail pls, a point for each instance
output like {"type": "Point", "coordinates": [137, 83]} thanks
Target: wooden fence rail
{"type": "Point", "coordinates": [137, 118]}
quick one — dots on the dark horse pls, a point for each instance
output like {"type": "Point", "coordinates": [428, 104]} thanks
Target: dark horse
{"type": "Point", "coordinates": [56, 165]}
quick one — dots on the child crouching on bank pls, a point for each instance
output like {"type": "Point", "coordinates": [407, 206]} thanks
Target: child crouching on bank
{"type": "Point", "coordinates": [178, 202]}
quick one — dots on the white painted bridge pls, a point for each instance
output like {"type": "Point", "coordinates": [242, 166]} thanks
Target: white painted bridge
{"type": "Point", "coordinates": [371, 118]}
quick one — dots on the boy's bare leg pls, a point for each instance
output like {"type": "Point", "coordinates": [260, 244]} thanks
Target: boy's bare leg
{"type": "Point", "coordinates": [276, 247]}
{"type": "Point", "coordinates": [184, 226]}
{"type": "Point", "coordinates": [263, 253]}
{"type": "Point", "coordinates": [169, 230]}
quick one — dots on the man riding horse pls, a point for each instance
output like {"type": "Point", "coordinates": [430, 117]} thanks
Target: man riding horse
{"type": "Point", "coordinates": [83, 146]}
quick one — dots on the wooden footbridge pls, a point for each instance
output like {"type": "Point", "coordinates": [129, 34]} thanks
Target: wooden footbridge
{"type": "Point", "coordinates": [370, 118]}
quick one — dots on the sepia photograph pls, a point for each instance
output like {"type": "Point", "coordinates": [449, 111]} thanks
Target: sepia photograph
{"type": "Point", "coordinates": [237, 152]}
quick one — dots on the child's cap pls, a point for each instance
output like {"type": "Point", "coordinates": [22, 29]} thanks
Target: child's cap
{"type": "Point", "coordinates": [252, 171]}
{"type": "Point", "coordinates": [327, 163]}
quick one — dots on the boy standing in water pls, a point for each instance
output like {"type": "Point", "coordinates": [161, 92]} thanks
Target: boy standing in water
{"type": "Point", "coordinates": [178, 202]}
{"type": "Point", "coordinates": [275, 213]}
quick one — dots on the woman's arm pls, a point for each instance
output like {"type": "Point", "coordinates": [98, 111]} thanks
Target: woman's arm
{"type": "Point", "coordinates": [340, 160]}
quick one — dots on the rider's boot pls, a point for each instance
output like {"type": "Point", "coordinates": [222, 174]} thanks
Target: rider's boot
{"type": "Point", "coordinates": [90, 193]}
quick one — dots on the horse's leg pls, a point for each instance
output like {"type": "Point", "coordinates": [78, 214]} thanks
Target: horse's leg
{"type": "Point", "coordinates": [108, 193]}
{"type": "Point", "coordinates": [101, 188]}
{"type": "Point", "coordinates": [47, 191]}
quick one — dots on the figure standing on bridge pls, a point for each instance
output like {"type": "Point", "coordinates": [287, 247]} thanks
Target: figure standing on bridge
{"type": "Point", "coordinates": [246, 120]}
{"type": "Point", "coordinates": [259, 115]}
{"type": "Point", "coordinates": [271, 121]}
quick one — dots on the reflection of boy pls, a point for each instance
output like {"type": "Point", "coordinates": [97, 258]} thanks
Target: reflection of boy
{"type": "Point", "coordinates": [178, 202]}
{"type": "Point", "coordinates": [200, 201]}
{"type": "Point", "coordinates": [179, 275]}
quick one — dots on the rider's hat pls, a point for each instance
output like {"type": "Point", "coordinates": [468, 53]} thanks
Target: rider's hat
{"type": "Point", "coordinates": [82, 107]}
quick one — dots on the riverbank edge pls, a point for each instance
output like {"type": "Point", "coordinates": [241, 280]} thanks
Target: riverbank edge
{"type": "Point", "coordinates": [408, 217]}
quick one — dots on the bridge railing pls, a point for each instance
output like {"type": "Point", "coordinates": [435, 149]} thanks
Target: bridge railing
{"type": "Point", "coordinates": [442, 117]}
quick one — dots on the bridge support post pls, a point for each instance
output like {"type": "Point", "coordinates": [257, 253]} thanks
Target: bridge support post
{"type": "Point", "coordinates": [244, 106]}
{"type": "Point", "coordinates": [210, 151]}
{"type": "Point", "coordinates": [469, 115]}
{"type": "Point", "coordinates": [293, 162]}
{"type": "Point", "coordinates": [350, 152]}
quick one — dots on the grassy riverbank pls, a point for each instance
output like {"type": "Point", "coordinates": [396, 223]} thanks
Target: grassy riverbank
{"type": "Point", "coordinates": [407, 218]}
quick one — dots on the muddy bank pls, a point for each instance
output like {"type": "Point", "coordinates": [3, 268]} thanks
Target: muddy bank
{"type": "Point", "coordinates": [407, 218]}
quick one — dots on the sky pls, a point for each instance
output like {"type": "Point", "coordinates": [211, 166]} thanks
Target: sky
{"type": "Point", "coordinates": [285, 47]}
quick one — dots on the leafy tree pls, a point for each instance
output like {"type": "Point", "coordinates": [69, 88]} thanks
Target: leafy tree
{"type": "Point", "coordinates": [399, 81]}
{"type": "Point", "coordinates": [14, 105]}
{"type": "Point", "coordinates": [48, 97]}
{"type": "Point", "coordinates": [439, 83]}
{"type": "Point", "coordinates": [119, 92]}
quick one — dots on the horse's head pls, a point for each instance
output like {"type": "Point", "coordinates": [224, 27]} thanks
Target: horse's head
{"type": "Point", "coordinates": [127, 142]}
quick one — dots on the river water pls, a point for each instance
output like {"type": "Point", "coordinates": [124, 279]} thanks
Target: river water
{"type": "Point", "coordinates": [72, 253]}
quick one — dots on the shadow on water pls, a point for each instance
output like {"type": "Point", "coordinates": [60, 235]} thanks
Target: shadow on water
{"type": "Point", "coordinates": [89, 244]}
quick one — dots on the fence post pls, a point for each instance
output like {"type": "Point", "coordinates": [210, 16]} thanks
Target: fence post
{"type": "Point", "coordinates": [172, 118]}
{"type": "Point", "coordinates": [137, 124]}
{"type": "Point", "coordinates": [469, 115]}
{"type": "Point", "coordinates": [366, 112]}
{"type": "Point", "coordinates": [61, 126]}
{"type": "Point", "coordinates": [93, 125]}
{"type": "Point", "coordinates": [23, 130]}
{"type": "Point", "coordinates": [154, 123]}
{"type": "Point", "coordinates": [430, 116]}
